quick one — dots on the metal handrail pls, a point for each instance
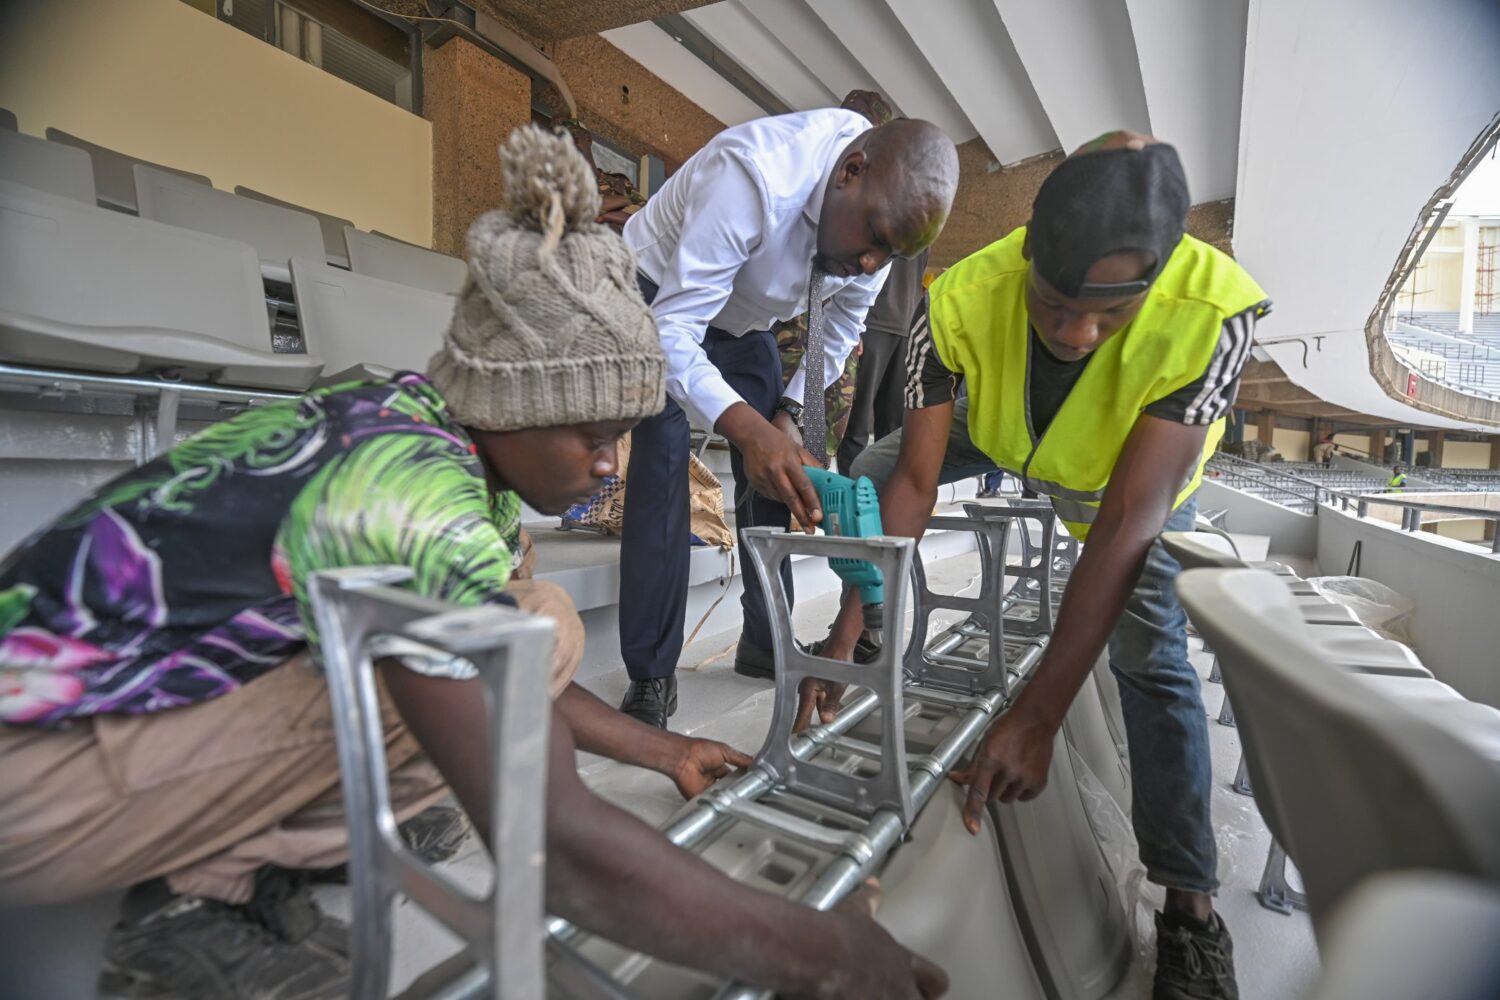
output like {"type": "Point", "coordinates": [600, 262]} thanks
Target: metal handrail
{"type": "Point", "coordinates": [1411, 517]}
{"type": "Point", "coordinates": [1247, 481]}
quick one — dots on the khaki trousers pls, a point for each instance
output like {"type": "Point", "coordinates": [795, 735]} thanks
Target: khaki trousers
{"type": "Point", "coordinates": [206, 794]}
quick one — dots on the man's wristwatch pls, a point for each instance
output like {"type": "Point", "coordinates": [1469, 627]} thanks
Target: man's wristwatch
{"type": "Point", "coordinates": [791, 408]}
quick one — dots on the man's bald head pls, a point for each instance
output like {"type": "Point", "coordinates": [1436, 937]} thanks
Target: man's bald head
{"type": "Point", "coordinates": [889, 195]}
{"type": "Point", "coordinates": [915, 166]}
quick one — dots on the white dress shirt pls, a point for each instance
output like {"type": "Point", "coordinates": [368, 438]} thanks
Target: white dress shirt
{"type": "Point", "coordinates": [729, 241]}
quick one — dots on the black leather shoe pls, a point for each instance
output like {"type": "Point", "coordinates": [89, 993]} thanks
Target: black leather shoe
{"type": "Point", "coordinates": [752, 661]}
{"type": "Point", "coordinates": [653, 701]}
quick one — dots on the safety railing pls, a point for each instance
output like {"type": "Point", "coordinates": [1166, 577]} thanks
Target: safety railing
{"type": "Point", "coordinates": [1412, 511]}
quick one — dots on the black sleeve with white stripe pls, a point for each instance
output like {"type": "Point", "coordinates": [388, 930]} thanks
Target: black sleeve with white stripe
{"type": "Point", "coordinates": [1209, 397]}
{"type": "Point", "coordinates": [928, 381]}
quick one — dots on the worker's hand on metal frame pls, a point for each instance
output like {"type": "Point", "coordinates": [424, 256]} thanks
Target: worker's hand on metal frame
{"type": "Point", "coordinates": [823, 697]}
{"type": "Point", "coordinates": [1010, 764]}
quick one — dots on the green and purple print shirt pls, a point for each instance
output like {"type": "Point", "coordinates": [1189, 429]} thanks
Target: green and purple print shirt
{"type": "Point", "coordinates": [186, 578]}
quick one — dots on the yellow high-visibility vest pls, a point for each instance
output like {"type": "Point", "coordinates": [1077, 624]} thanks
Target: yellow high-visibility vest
{"type": "Point", "coordinates": [977, 310]}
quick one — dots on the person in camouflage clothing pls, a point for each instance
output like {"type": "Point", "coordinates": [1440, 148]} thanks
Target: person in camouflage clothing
{"type": "Point", "coordinates": [619, 199]}
{"type": "Point", "coordinates": [791, 336]}
{"type": "Point", "coordinates": [838, 401]}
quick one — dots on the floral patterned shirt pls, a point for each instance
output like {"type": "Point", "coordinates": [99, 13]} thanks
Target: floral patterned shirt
{"type": "Point", "coordinates": [186, 578]}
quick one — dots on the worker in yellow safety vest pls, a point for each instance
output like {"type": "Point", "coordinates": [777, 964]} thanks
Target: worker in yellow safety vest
{"type": "Point", "coordinates": [1397, 481]}
{"type": "Point", "coordinates": [1093, 354]}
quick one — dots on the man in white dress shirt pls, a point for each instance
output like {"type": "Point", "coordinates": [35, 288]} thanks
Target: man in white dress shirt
{"type": "Point", "coordinates": [726, 249]}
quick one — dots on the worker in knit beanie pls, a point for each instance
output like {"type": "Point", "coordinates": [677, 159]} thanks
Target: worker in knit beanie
{"type": "Point", "coordinates": [550, 328]}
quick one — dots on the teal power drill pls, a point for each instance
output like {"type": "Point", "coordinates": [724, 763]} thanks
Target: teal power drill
{"type": "Point", "coordinates": [851, 509]}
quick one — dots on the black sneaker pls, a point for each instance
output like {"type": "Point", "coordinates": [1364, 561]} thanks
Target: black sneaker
{"type": "Point", "coordinates": [1194, 961]}
{"type": "Point", "coordinates": [652, 702]}
{"type": "Point", "coordinates": [279, 946]}
{"type": "Point", "coordinates": [435, 834]}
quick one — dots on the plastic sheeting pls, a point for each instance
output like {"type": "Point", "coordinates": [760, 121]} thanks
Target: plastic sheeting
{"type": "Point", "coordinates": [1374, 604]}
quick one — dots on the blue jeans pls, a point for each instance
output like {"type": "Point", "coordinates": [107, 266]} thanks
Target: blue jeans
{"type": "Point", "coordinates": [1166, 726]}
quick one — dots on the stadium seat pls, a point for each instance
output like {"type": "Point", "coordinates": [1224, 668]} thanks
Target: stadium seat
{"type": "Point", "coordinates": [47, 166]}
{"type": "Point", "coordinates": [392, 260]}
{"type": "Point", "coordinates": [85, 288]}
{"type": "Point", "coordinates": [1413, 934]}
{"type": "Point", "coordinates": [114, 173]}
{"type": "Point", "coordinates": [331, 226]}
{"type": "Point", "coordinates": [277, 234]}
{"type": "Point", "coordinates": [1354, 774]}
{"type": "Point", "coordinates": [364, 327]}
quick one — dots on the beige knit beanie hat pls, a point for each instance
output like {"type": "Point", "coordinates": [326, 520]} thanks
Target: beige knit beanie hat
{"type": "Point", "coordinates": [550, 328]}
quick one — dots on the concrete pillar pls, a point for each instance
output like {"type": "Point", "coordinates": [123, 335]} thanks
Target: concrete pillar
{"type": "Point", "coordinates": [1266, 427]}
{"type": "Point", "coordinates": [1495, 451]}
{"type": "Point", "coordinates": [1435, 441]}
{"type": "Point", "coordinates": [1469, 225]}
{"type": "Point", "coordinates": [1408, 448]}
{"type": "Point", "coordinates": [473, 101]}
{"type": "Point", "coordinates": [1235, 432]}
{"type": "Point", "coordinates": [1377, 447]}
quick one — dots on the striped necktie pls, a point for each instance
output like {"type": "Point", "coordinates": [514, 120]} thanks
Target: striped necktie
{"type": "Point", "coordinates": [814, 423]}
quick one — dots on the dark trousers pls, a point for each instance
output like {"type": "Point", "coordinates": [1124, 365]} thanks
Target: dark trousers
{"type": "Point", "coordinates": [654, 551]}
{"type": "Point", "coordinates": [879, 395]}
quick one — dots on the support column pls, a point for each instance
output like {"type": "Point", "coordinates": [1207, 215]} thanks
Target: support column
{"type": "Point", "coordinates": [1377, 447]}
{"type": "Point", "coordinates": [1266, 427]}
{"type": "Point", "coordinates": [473, 101]}
{"type": "Point", "coordinates": [1495, 451]}
{"type": "Point", "coordinates": [1408, 448]}
{"type": "Point", "coordinates": [1435, 440]}
{"type": "Point", "coordinates": [1470, 228]}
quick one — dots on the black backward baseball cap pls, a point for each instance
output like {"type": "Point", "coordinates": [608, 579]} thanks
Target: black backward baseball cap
{"type": "Point", "coordinates": [1104, 202]}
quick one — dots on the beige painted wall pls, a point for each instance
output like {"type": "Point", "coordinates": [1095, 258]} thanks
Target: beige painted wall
{"type": "Point", "coordinates": [1466, 454]}
{"type": "Point", "coordinates": [1353, 442]}
{"type": "Point", "coordinates": [1293, 445]}
{"type": "Point", "coordinates": [160, 80]}
{"type": "Point", "coordinates": [1467, 530]}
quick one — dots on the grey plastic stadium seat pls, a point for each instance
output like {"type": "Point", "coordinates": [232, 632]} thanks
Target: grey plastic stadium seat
{"type": "Point", "coordinates": [114, 177]}
{"type": "Point", "coordinates": [85, 288]}
{"type": "Point", "coordinates": [364, 327]}
{"type": "Point", "coordinates": [1206, 525]}
{"type": "Point", "coordinates": [331, 226]}
{"type": "Point", "coordinates": [1413, 934]}
{"type": "Point", "coordinates": [1194, 549]}
{"type": "Point", "coordinates": [1355, 774]}
{"type": "Point", "coordinates": [47, 166]}
{"type": "Point", "coordinates": [394, 260]}
{"type": "Point", "coordinates": [7, 119]}
{"type": "Point", "coordinates": [1212, 547]}
{"type": "Point", "coordinates": [277, 234]}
